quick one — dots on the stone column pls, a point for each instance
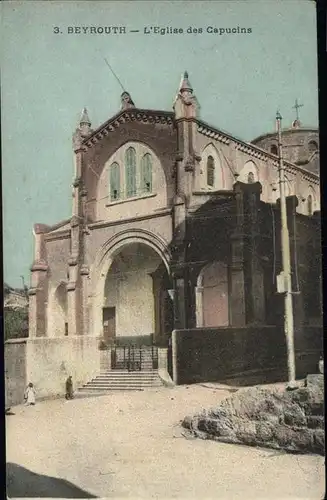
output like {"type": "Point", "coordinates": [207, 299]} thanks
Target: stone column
{"type": "Point", "coordinates": [236, 268]}
{"type": "Point", "coordinates": [179, 302]}
{"type": "Point", "coordinates": [199, 306]}
{"type": "Point", "coordinates": [156, 288]}
{"type": "Point", "coordinates": [39, 283]}
{"type": "Point", "coordinates": [84, 273]}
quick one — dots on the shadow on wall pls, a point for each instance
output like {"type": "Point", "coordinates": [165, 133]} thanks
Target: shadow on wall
{"type": "Point", "coordinates": [22, 483]}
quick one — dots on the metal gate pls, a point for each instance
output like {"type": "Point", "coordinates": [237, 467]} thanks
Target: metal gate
{"type": "Point", "coordinates": [134, 358]}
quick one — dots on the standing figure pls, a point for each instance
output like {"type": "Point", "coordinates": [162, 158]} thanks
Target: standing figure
{"type": "Point", "coordinates": [29, 395]}
{"type": "Point", "coordinates": [69, 388]}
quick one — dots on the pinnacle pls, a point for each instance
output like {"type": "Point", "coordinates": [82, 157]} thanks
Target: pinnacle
{"type": "Point", "coordinates": [85, 117]}
{"type": "Point", "coordinates": [185, 83]}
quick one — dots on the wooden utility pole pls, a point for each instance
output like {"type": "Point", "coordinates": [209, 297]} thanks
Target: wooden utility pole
{"type": "Point", "coordinates": [286, 281]}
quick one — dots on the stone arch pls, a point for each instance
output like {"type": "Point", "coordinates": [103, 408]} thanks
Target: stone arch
{"type": "Point", "coordinates": [312, 146]}
{"type": "Point", "coordinates": [105, 258]}
{"type": "Point", "coordinates": [210, 158]}
{"type": "Point", "coordinates": [58, 311]}
{"type": "Point", "coordinates": [212, 295]}
{"type": "Point", "coordinates": [249, 168]}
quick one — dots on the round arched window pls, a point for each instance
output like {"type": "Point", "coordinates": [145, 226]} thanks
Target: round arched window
{"type": "Point", "coordinates": [312, 146]}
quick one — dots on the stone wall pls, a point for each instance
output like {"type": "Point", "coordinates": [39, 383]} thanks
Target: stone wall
{"type": "Point", "coordinates": [242, 356]}
{"type": "Point", "coordinates": [49, 361]}
{"type": "Point", "coordinates": [15, 371]}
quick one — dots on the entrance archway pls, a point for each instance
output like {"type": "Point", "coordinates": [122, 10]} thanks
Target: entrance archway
{"type": "Point", "coordinates": [212, 301]}
{"type": "Point", "coordinates": [132, 290]}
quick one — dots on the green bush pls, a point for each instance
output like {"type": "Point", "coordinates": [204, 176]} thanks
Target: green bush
{"type": "Point", "coordinates": [15, 323]}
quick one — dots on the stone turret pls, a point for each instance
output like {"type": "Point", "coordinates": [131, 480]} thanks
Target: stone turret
{"type": "Point", "coordinates": [186, 104]}
{"type": "Point", "coordinates": [85, 123]}
{"type": "Point", "coordinates": [83, 130]}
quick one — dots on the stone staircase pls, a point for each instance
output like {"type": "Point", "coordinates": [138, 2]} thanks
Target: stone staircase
{"type": "Point", "coordinates": [143, 376]}
{"type": "Point", "coordinates": [122, 380]}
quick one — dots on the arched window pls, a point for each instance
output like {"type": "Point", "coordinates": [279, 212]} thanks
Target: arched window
{"type": "Point", "coordinates": [210, 171]}
{"type": "Point", "coordinates": [273, 149]}
{"type": "Point", "coordinates": [114, 182]}
{"type": "Point", "coordinates": [130, 172]}
{"type": "Point", "coordinates": [146, 173]}
{"type": "Point", "coordinates": [312, 146]}
{"type": "Point", "coordinates": [310, 205]}
{"type": "Point", "coordinates": [251, 178]}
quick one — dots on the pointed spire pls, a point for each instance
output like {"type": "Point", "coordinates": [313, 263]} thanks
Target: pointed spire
{"type": "Point", "coordinates": [185, 83]}
{"type": "Point", "coordinates": [85, 124]}
{"type": "Point", "coordinates": [85, 120]}
{"type": "Point", "coordinates": [185, 103]}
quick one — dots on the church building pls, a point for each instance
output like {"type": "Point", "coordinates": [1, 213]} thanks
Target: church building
{"type": "Point", "coordinates": [175, 227]}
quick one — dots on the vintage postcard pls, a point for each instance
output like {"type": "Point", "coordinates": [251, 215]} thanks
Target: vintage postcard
{"type": "Point", "coordinates": [162, 249]}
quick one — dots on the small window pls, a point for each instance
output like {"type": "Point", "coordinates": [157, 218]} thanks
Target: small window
{"type": "Point", "coordinates": [312, 146]}
{"type": "Point", "coordinates": [130, 172]}
{"type": "Point", "coordinates": [146, 174]}
{"type": "Point", "coordinates": [66, 329]}
{"type": "Point", "coordinates": [310, 205]}
{"type": "Point", "coordinates": [273, 149]}
{"type": "Point", "coordinates": [210, 171]}
{"type": "Point", "coordinates": [251, 178]}
{"type": "Point", "coordinates": [114, 182]}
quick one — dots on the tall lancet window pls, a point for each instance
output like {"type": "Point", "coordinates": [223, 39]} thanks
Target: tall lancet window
{"type": "Point", "coordinates": [114, 182]}
{"type": "Point", "coordinates": [130, 172]}
{"type": "Point", "coordinates": [210, 171]}
{"type": "Point", "coordinates": [146, 174]}
{"type": "Point", "coordinates": [310, 205]}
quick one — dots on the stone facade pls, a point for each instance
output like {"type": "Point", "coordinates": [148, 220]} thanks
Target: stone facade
{"type": "Point", "coordinates": [203, 221]}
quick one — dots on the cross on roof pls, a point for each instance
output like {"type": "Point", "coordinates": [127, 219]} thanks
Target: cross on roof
{"type": "Point", "coordinates": [296, 107]}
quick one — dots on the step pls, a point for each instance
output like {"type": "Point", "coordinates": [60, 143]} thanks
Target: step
{"type": "Point", "coordinates": [122, 382]}
{"type": "Point", "coordinates": [117, 388]}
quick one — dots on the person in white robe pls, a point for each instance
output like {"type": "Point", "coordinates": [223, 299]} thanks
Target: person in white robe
{"type": "Point", "coordinates": [29, 395]}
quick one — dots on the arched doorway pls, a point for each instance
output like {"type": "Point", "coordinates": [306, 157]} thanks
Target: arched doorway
{"type": "Point", "coordinates": [212, 301]}
{"type": "Point", "coordinates": [134, 306]}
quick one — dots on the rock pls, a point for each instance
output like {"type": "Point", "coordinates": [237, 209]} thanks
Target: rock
{"type": "Point", "coordinates": [265, 431]}
{"type": "Point", "coordinates": [294, 416]}
{"type": "Point", "coordinates": [187, 422]}
{"type": "Point", "coordinates": [319, 441]}
{"type": "Point", "coordinates": [316, 380]}
{"type": "Point", "coordinates": [292, 421]}
{"type": "Point", "coordinates": [314, 422]}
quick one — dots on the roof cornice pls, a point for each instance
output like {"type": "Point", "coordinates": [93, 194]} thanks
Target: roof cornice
{"type": "Point", "coordinates": [124, 116]}
{"type": "Point", "coordinates": [168, 118]}
{"type": "Point", "coordinates": [253, 150]}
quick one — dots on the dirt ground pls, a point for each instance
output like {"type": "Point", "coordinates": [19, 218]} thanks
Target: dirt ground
{"type": "Point", "coordinates": [129, 445]}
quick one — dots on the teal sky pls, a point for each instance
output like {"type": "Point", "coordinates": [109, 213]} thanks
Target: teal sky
{"type": "Point", "coordinates": [239, 79]}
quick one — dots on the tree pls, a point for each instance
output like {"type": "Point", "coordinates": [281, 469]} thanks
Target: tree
{"type": "Point", "coordinates": [15, 323]}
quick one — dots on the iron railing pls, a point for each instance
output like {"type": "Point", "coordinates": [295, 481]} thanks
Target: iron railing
{"type": "Point", "coordinates": [134, 358]}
